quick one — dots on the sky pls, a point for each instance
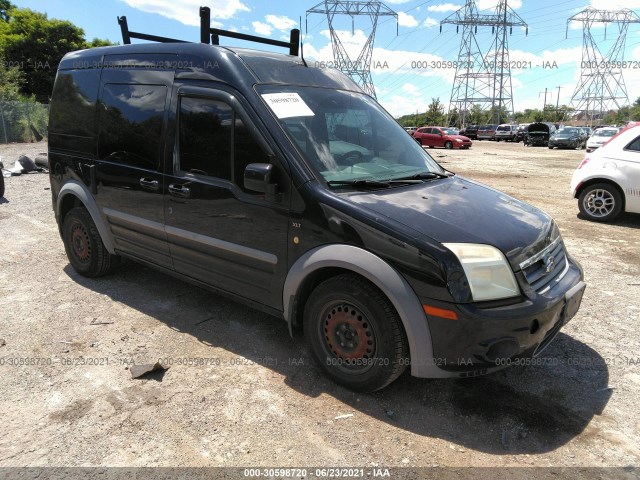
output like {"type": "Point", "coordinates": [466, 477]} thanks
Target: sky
{"type": "Point", "coordinates": [408, 55]}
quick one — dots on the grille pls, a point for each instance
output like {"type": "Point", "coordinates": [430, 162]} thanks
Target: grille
{"type": "Point", "coordinates": [541, 269]}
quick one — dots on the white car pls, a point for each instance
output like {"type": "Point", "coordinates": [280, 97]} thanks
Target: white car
{"type": "Point", "coordinates": [607, 181]}
{"type": "Point", "coordinates": [600, 137]}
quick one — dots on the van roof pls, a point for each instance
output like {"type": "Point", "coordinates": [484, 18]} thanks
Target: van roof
{"type": "Point", "coordinates": [212, 62]}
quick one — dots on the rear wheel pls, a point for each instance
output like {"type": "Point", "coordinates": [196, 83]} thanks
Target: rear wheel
{"type": "Point", "coordinates": [355, 334]}
{"type": "Point", "coordinates": [85, 250]}
{"type": "Point", "coordinates": [1, 184]}
{"type": "Point", "coordinates": [600, 202]}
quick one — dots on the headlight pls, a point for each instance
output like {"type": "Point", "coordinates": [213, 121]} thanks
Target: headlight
{"type": "Point", "coordinates": [458, 139]}
{"type": "Point", "coordinates": [488, 272]}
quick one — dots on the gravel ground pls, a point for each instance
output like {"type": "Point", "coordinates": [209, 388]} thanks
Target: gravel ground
{"type": "Point", "coordinates": [241, 392]}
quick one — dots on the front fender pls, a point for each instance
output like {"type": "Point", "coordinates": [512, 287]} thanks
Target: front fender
{"type": "Point", "coordinates": [383, 276]}
{"type": "Point", "coordinates": [82, 193]}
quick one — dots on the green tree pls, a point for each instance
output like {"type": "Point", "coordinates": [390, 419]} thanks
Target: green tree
{"type": "Point", "coordinates": [11, 80]}
{"type": "Point", "coordinates": [37, 44]}
{"type": "Point", "coordinates": [435, 113]}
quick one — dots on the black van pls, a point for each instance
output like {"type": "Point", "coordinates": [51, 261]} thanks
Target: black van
{"type": "Point", "coordinates": [286, 187]}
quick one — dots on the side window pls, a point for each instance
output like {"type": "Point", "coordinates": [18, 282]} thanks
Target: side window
{"type": "Point", "coordinates": [205, 137]}
{"type": "Point", "coordinates": [214, 140]}
{"type": "Point", "coordinates": [131, 118]}
{"type": "Point", "coordinates": [635, 145]}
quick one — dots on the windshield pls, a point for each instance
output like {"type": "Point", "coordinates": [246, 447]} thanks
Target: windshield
{"type": "Point", "coordinates": [568, 131]}
{"type": "Point", "coordinates": [450, 131]}
{"type": "Point", "coordinates": [605, 133]}
{"type": "Point", "coordinates": [346, 136]}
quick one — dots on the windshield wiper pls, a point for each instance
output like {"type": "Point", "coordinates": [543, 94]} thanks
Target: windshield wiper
{"type": "Point", "coordinates": [361, 183]}
{"type": "Point", "coordinates": [426, 176]}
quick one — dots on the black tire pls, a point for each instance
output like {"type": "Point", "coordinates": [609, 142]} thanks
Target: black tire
{"type": "Point", "coordinates": [85, 250]}
{"type": "Point", "coordinates": [1, 184]}
{"type": "Point", "coordinates": [448, 145]}
{"type": "Point", "coordinates": [600, 202]}
{"type": "Point", "coordinates": [355, 334]}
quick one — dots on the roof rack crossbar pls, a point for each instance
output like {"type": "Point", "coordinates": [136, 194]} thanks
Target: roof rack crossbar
{"type": "Point", "coordinates": [127, 35]}
{"type": "Point", "coordinates": [212, 35]}
{"type": "Point", "coordinates": [215, 33]}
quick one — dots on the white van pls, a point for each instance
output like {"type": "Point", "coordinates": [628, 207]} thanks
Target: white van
{"type": "Point", "coordinates": [607, 181]}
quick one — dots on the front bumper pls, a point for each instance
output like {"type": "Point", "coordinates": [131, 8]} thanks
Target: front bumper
{"type": "Point", "coordinates": [564, 143]}
{"type": "Point", "coordinates": [488, 338]}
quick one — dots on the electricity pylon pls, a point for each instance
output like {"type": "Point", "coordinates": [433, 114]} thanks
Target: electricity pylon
{"type": "Point", "coordinates": [360, 68]}
{"type": "Point", "coordinates": [601, 86]}
{"type": "Point", "coordinates": [483, 77]}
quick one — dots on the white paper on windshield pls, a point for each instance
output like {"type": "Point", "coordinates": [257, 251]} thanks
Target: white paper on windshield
{"type": "Point", "coordinates": [286, 105]}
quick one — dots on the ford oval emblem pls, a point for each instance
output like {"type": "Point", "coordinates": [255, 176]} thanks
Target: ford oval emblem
{"type": "Point", "coordinates": [549, 264]}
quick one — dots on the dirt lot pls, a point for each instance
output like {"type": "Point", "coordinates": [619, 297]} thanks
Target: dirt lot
{"type": "Point", "coordinates": [241, 392]}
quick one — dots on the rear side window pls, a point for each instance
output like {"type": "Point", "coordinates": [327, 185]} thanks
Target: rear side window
{"type": "Point", "coordinates": [214, 141]}
{"type": "Point", "coordinates": [634, 146]}
{"type": "Point", "coordinates": [131, 120]}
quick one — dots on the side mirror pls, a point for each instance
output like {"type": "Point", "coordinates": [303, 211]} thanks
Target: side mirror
{"type": "Point", "coordinates": [257, 178]}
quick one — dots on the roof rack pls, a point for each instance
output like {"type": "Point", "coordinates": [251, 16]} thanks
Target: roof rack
{"type": "Point", "coordinates": [210, 35]}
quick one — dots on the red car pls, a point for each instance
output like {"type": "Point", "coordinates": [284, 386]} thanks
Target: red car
{"type": "Point", "coordinates": [441, 137]}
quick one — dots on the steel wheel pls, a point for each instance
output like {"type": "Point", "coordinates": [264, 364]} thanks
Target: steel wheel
{"type": "Point", "coordinates": [600, 202]}
{"type": "Point", "coordinates": [349, 337]}
{"type": "Point", "coordinates": [448, 145]}
{"type": "Point", "coordinates": [80, 242]}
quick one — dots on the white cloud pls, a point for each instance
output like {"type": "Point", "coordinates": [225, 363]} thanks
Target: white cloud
{"type": "Point", "coordinates": [615, 4]}
{"type": "Point", "coordinates": [281, 22]}
{"type": "Point", "coordinates": [445, 7]}
{"type": "Point", "coordinates": [262, 28]}
{"type": "Point", "coordinates": [187, 11]}
{"type": "Point", "coordinates": [406, 20]}
{"type": "Point", "coordinates": [430, 22]}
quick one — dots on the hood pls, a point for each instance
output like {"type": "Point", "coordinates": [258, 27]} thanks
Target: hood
{"type": "Point", "coordinates": [461, 137]}
{"type": "Point", "coordinates": [538, 127]}
{"type": "Point", "coordinates": [458, 210]}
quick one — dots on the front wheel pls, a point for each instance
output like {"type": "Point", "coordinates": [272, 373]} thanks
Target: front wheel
{"type": "Point", "coordinates": [448, 145]}
{"type": "Point", "coordinates": [1, 184]}
{"type": "Point", "coordinates": [355, 334]}
{"type": "Point", "coordinates": [600, 202]}
{"type": "Point", "coordinates": [83, 244]}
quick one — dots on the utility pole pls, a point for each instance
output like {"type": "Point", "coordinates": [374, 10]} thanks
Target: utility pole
{"type": "Point", "coordinates": [359, 69]}
{"type": "Point", "coordinates": [544, 105]}
{"type": "Point", "coordinates": [558, 105]}
{"type": "Point", "coordinates": [601, 87]}
{"type": "Point", "coordinates": [483, 77]}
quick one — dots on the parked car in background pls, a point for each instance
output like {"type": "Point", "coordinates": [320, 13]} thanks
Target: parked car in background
{"type": "Point", "coordinates": [600, 137]}
{"type": "Point", "coordinates": [606, 181]}
{"type": "Point", "coordinates": [506, 132]}
{"type": "Point", "coordinates": [588, 131]}
{"type": "Point", "coordinates": [538, 134]}
{"type": "Point", "coordinates": [411, 130]}
{"type": "Point", "coordinates": [487, 132]}
{"type": "Point", "coordinates": [521, 132]}
{"type": "Point", "coordinates": [568, 137]}
{"type": "Point", "coordinates": [441, 137]}
{"type": "Point", "coordinates": [470, 132]}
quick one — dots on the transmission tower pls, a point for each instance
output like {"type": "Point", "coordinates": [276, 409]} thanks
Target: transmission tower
{"type": "Point", "coordinates": [483, 78]}
{"type": "Point", "coordinates": [360, 68]}
{"type": "Point", "coordinates": [601, 87]}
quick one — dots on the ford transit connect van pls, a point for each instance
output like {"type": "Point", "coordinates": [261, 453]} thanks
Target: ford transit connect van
{"type": "Point", "coordinates": [287, 188]}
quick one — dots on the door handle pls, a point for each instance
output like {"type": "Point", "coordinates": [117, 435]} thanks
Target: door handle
{"type": "Point", "coordinates": [149, 184]}
{"type": "Point", "coordinates": [179, 191]}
